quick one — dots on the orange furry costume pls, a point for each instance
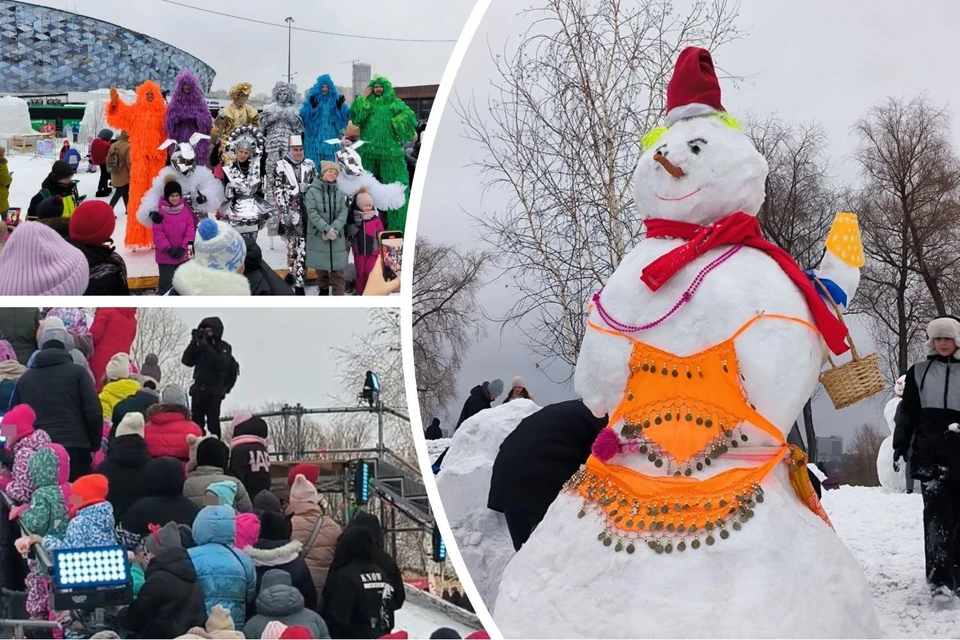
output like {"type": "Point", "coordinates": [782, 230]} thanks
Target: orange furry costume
{"type": "Point", "coordinates": [144, 123]}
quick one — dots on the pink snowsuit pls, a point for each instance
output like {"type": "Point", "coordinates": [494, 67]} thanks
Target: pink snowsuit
{"type": "Point", "coordinates": [177, 230]}
{"type": "Point", "coordinates": [366, 249]}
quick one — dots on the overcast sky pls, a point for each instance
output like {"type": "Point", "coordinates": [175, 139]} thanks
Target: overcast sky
{"type": "Point", "coordinates": [246, 52]}
{"type": "Point", "coordinates": [285, 354]}
{"type": "Point", "coordinates": [823, 60]}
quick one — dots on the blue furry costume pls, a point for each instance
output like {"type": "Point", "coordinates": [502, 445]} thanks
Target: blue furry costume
{"type": "Point", "coordinates": [324, 118]}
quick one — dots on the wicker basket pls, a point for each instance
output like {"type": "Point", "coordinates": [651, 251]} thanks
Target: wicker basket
{"type": "Point", "coordinates": [849, 383]}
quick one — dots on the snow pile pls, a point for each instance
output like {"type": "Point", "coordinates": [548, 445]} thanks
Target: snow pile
{"type": "Point", "coordinates": [435, 448]}
{"type": "Point", "coordinates": [464, 484]}
{"type": "Point", "coordinates": [15, 117]}
{"type": "Point", "coordinates": [94, 119]}
{"type": "Point", "coordinates": [420, 621]}
{"type": "Point", "coordinates": [885, 533]}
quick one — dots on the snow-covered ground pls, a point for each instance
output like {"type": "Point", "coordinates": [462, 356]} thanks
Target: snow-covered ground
{"type": "Point", "coordinates": [29, 172]}
{"type": "Point", "coordinates": [421, 622]}
{"type": "Point", "coordinates": [435, 448]}
{"type": "Point", "coordinates": [885, 533]}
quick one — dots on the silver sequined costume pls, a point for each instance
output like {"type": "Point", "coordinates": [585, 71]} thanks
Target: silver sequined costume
{"type": "Point", "coordinates": [278, 121]}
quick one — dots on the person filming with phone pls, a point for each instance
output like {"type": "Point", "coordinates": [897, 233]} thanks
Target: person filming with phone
{"type": "Point", "coordinates": [215, 372]}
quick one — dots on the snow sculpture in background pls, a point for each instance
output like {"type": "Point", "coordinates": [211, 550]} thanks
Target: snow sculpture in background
{"type": "Point", "coordinates": [187, 114]}
{"type": "Point", "coordinates": [143, 122]}
{"type": "Point", "coordinates": [694, 517]}
{"type": "Point", "coordinates": [892, 480]}
{"type": "Point", "coordinates": [353, 176]}
{"type": "Point", "coordinates": [15, 117]}
{"type": "Point", "coordinates": [202, 192]}
{"type": "Point", "coordinates": [279, 120]}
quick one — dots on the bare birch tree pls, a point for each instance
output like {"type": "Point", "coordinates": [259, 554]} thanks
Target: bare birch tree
{"type": "Point", "coordinates": [446, 319]}
{"type": "Point", "coordinates": [910, 204]}
{"type": "Point", "coordinates": [163, 332]}
{"type": "Point", "coordinates": [560, 137]}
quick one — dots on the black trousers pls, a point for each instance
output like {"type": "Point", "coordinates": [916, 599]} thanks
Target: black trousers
{"type": "Point", "coordinates": [80, 461]}
{"type": "Point", "coordinates": [120, 192]}
{"type": "Point", "coordinates": [941, 529]}
{"type": "Point", "coordinates": [519, 526]}
{"type": "Point", "coordinates": [104, 183]}
{"type": "Point", "coordinates": [205, 411]}
{"type": "Point", "coordinates": [166, 277]}
{"type": "Point", "coordinates": [521, 521]}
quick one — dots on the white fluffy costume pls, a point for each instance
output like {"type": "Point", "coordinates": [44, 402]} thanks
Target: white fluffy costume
{"type": "Point", "coordinates": [245, 208]}
{"type": "Point", "coordinates": [694, 518]}
{"type": "Point", "coordinates": [202, 192]}
{"type": "Point", "coordinates": [278, 121]}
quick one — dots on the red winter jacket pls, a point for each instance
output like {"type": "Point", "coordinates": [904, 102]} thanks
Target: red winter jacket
{"type": "Point", "coordinates": [113, 332]}
{"type": "Point", "coordinates": [166, 431]}
{"type": "Point", "coordinates": [99, 150]}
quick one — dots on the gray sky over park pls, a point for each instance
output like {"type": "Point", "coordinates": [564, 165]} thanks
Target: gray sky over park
{"type": "Point", "coordinates": [806, 60]}
{"type": "Point", "coordinates": [243, 51]}
{"type": "Point", "coordinates": [285, 354]}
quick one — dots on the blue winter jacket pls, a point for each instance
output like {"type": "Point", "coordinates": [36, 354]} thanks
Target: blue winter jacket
{"type": "Point", "coordinates": [226, 574]}
{"type": "Point", "coordinates": [93, 526]}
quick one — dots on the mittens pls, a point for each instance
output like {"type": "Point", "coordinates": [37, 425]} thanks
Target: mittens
{"type": "Point", "coordinates": [201, 198]}
{"type": "Point", "coordinates": [176, 252]}
{"type": "Point", "coordinates": [340, 101]}
{"type": "Point", "coordinates": [156, 216]}
{"type": "Point", "coordinates": [313, 101]}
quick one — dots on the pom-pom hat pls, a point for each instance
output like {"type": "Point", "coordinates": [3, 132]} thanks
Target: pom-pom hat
{"type": "Point", "coordinates": [694, 89]}
{"type": "Point", "coordinates": [218, 246]}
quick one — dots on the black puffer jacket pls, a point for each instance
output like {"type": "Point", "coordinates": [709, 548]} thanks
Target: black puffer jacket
{"type": "Point", "coordinates": [249, 460]}
{"type": "Point", "coordinates": [165, 503]}
{"type": "Point", "coordinates": [931, 403]}
{"type": "Point", "coordinates": [108, 271]}
{"type": "Point", "coordinates": [18, 326]}
{"type": "Point", "coordinates": [62, 395]}
{"type": "Point", "coordinates": [124, 468]}
{"type": "Point", "coordinates": [478, 401]}
{"type": "Point", "coordinates": [215, 370]}
{"type": "Point", "coordinates": [263, 280]}
{"type": "Point", "coordinates": [170, 601]}
{"type": "Point", "coordinates": [137, 403]}
{"type": "Point", "coordinates": [540, 455]}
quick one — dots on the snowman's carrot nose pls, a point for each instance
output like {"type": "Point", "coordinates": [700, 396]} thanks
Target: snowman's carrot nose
{"type": "Point", "coordinates": [671, 168]}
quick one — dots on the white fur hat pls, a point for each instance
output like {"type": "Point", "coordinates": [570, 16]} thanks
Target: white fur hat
{"type": "Point", "coordinates": [942, 327]}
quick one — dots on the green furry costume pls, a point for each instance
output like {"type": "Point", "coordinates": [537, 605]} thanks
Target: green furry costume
{"type": "Point", "coordinates": [385, 123]}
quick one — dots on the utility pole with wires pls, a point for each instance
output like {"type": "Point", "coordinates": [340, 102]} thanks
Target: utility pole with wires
{"type": "Point", "coordinates": [289, 22]}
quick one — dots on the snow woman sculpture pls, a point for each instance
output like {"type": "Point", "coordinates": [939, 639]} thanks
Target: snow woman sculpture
{"type": "Point", "coordinates": [693, 517]}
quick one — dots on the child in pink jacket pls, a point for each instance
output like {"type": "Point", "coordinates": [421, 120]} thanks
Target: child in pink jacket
{"type": "Point", "coordinates": [366, 245]}
{"type": "Point", "coordinates": [174, 228]}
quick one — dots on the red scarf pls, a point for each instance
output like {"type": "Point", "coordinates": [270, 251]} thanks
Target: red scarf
{"type": "Point", "coordinates": [738, 228]}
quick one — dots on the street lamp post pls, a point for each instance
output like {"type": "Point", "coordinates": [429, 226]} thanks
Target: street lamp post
{"type": "Point", "coordinates": [289, 22]}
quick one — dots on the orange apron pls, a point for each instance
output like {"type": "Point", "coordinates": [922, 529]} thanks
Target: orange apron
{"type": "Point", "coordinates": [684, 412]}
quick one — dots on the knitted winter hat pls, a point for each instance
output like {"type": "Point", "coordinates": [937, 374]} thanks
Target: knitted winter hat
{"type": "Point", "coordinates": [147, 383]}
{"type": "Point", "coordinates": [218, 246]}
{"type": "Point", "coordinates": [92, 223]}
{"type": "Point", "coordinates": [303, 491]}
{"type": "Point", "coordinates": [105, 134]}
{"type": "Point", "coordinates": [275, 578]}
{"type": "Point", "coordinates": [220, 619]}
{"type": "Point", "coordinates": [22, 418]}
{"type": "Point", "coordinates": [275, 526]}
{"type": "Point", "coordinates": [6, 351]}
{"type": "Point", "coordinates": [61, 169]}
{"type": "Point", "coordinates": [50, 208]}
{"type": "Point", "coordinates": [131, 425]}
{"type": "Point", "coordinates": [165, 537]}
{"type": "Point", "coordinates": [119, 367]}
{"type": "Point", "coordinates": [518, 382]}
{"type": "Point", "coordinates": [310, 471]}
{"type": "Point", "coordinates": [36, 261]}
{"type": "Point", "coordinates": [326, 165]}
{"type": "Point", "coordinates": [151, 367]}
{"type": "Point", "coordinates": [240, 418]}
{"type": "Point", "coordinates": [942, 327]}
{"type": "Point", "coordinates": [273, 630]}
{"type": "Point", "coordinates": [225, 491]}
{"type": "Point", "coordinates": [172, 394]}
{"type": "Point", "coordinates": [444, 633]}
{"type": "Point", "coordinates": [364, 198]}
{"type": "Point", "coordinates": [212, 453]}
{"type": "Point", "coordinates": [267, 502]}
{"type": "Point", "coordinates": [247, 530]}
{"type": "Point", "coordinates": [171, 188]}
{"type": "Point", "coordinates": [87, 491]}
{"type": "Point", "coordinates": [495, 387]}
{"type": "Point", "coordinates": [296, 631]}
{"type": "Point", "coordinates": [53, 334]}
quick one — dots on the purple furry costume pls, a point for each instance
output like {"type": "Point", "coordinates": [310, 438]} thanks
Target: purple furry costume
{"type": "Point", "coordinates": [187, 114]}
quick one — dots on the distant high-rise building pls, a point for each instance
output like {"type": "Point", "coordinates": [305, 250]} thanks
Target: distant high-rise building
{"type": "Point", "coordinates": [830, 448]}
{"type": "Point", "coordinates": [361, 77]}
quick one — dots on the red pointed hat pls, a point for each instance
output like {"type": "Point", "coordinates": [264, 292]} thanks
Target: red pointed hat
{"type": "Point", "coordinates": [694, 89]}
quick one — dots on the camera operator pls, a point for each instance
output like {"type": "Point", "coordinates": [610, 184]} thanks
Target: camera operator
{"type": "Point", "coordinates": [215, 371]}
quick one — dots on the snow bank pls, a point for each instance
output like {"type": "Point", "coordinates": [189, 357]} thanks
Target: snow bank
{"type": "Point", "coordinates": [435, 448]}
{"type": "Point", "coordinates": [884, 532]}
{"type": "Point", "coordinates": [464, 483]}
{"type": "Point", "coordinates": [14, 117]}
{"type": "Point", "coordinates": [94, 119]}
{"type": "Point", "coordinates": [422, 614]}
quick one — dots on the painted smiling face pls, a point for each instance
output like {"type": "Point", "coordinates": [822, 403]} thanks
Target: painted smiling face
{"type": "Point", "coordinates": [700, 170]}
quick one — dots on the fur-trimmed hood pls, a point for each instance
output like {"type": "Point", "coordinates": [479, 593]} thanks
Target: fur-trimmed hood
{"type": "Point", "coordinates": [192, 279]}
{"type": "Point", "coordinates": [274, 557]}
{"type": "Point", "coordinates": [168, 408]}
{"type": "Point", "coordinates": [943, 327]}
